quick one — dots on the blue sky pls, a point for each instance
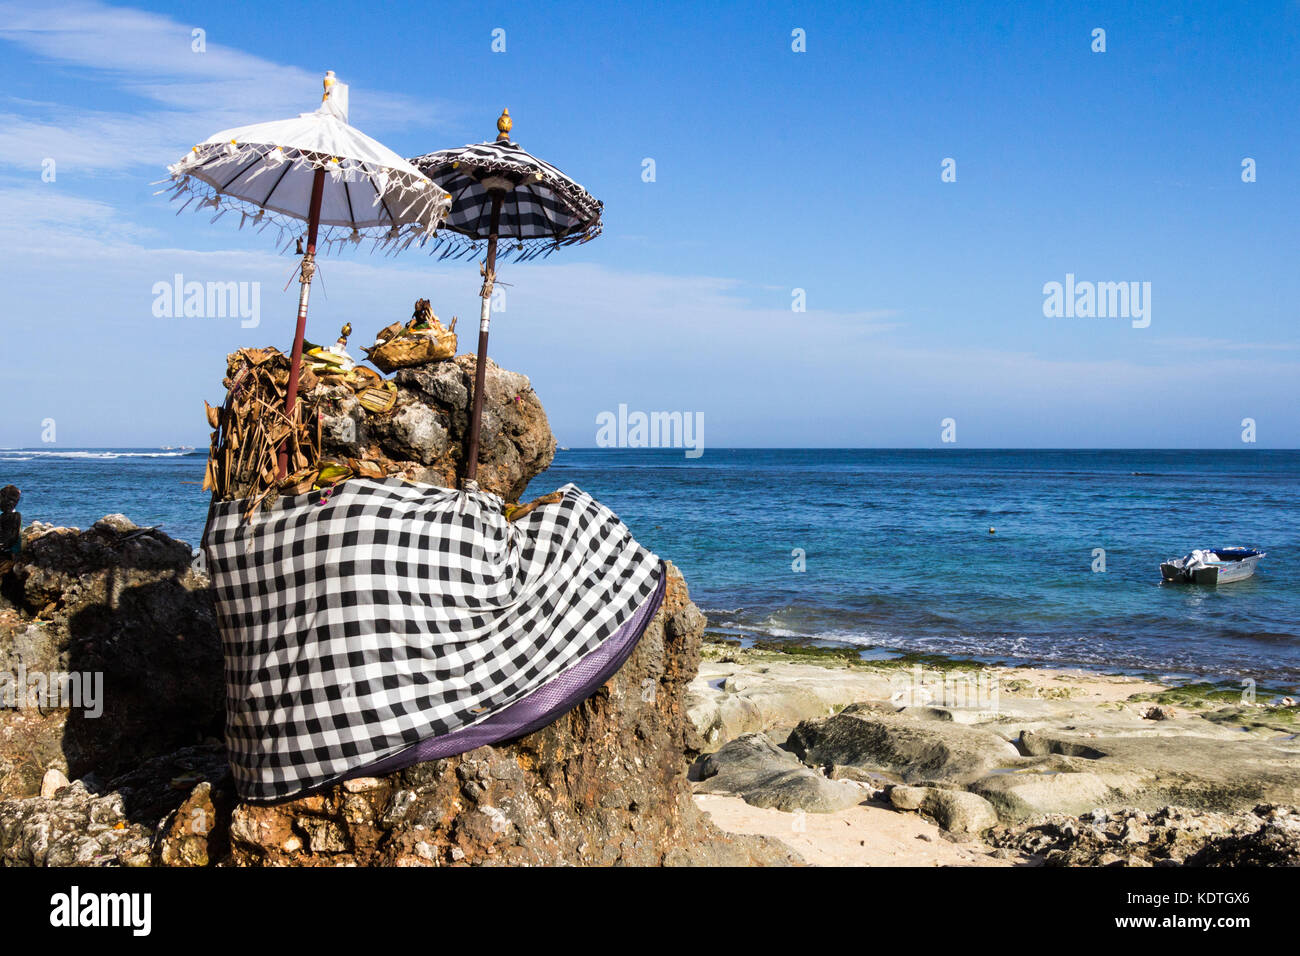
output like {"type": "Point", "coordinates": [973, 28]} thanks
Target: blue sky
{"type": "Point", "coordinates": [775, 170]}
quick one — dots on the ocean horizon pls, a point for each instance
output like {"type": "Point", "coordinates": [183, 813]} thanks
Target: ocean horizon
{"type": "Point", "coordinates": [888, 550]}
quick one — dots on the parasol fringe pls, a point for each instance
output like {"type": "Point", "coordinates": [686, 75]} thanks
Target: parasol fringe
{"type": "Point", "coordinates": [417, 195]}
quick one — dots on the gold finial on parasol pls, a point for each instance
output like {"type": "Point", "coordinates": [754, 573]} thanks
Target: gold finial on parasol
{"type": "Point", "coordinates": [327, 83]}
{"type": "Point", "coordinates": [504, 124]}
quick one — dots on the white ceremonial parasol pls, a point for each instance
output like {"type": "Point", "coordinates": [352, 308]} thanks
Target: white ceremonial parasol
{"type": "Point", "coordinates": [318, 169]}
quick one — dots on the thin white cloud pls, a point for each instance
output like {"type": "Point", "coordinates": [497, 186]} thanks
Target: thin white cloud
{"type": "Point", "coordinates": [147, 96]}
{"type": "Point", "coordinates": [1226, 345]}
{"type": "Point", "coordinates": [47, 219]}
{"type": "Point", "coordinates": [590, 336]}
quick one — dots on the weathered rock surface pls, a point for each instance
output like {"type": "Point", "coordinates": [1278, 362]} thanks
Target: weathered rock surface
{"type": "Point", "coordinates": [918, 750]}
{"type": "Point", "coordinates": [1055, 772]}
{"type": "Point", "coordinates": [605, 784]}
{"type": "Point", "coordinates": [424, 436]}
{"type": "Point", "coordinates": [1040, 787]}
{"type": "Point", "coordinates": [1070, 741]}
{"type": "Point", "coordinates": [755, 769]}
{"type": "Point", "coordinates": [120, 610]}
{"type": "Point", "coordinates": [1267, 835]}
{"type": "Point", "coordinates": [132, 820]}
{"type": "Point", "coordinates": [961, 813]}
{"type": "Point", "coordinates": [1208, 773]}
{"type": "Point", "coordinates": [730, 698]}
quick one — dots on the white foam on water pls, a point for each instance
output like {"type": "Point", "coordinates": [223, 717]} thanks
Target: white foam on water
{"type": "Point", "coordinates": [89, 455]}
{"type": "Point", "coordinates": [860, 637]}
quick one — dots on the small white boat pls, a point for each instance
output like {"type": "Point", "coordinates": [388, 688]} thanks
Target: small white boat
{"type": "Point", "coordinates": [1212, 566]}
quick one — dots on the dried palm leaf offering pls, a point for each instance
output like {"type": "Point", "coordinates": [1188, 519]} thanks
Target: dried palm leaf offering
{"type": "Point", "coordinates": [250, 428]}
{"type": "Point", "coordinates": [420, 341]}
{"type": "Point", "coordinates": [378, 398]}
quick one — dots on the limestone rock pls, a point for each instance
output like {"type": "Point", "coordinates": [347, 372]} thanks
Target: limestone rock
{"type": "Point", "coordinates": [416, 433]}
{"type": "Point", "coordinates": [752, 767]}
{"type": "Point", "coordinates": [1266, 835]}
{"type": "Point", "coordinates": [116, 523]}
{"type": "Point", "coordinates": [1045, 787]}
{"type": "Point", "coordinates": [606, 783]}
{"type": "Point", "coordinates": [53, 781]}
{"type": "Point", "coordinates": [728, 699]}
{"type": "Point", "coordinates": [1207, 773]}
{"type": "Point", "coordinates": [424, 436]}
{"type": "Point", "coordinates": [197, 832]}
{"type": "Point", "coordinates": [342, 423]}
{"type": "Point", "coordinates": [171, 807]}
{"type": "Point", "coordinates": [960, 813]}
{"type": "Point", "coordinates": [908, 798]}
{"type": "Point", "coordinates": [75, 828]}
{"type": "Point", "coordinates": [119, 625]}
{"type": "Point", "coordinates": [918, 750]}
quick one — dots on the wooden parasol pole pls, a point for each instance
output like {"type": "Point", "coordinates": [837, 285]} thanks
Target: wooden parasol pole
{"type": "Point", "coordinates": [480, 365]}
{"type": "Point", "coordinates": [504, 125]}
{"type": "Point", "coordinates": [308, 270]}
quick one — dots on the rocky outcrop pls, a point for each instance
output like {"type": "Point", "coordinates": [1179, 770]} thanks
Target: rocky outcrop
{"type": "Point", "coordinates": [135, 819]}
{"type": "Point", "coordinates": [605, 784]}
{"type": "Point", "coordinates": [1071, 773]}
{"type": "Point", "coordinates": [1048, 743]}
{"type": "Point", "coordinates": [960, 813]}
{"type": "Point", "coordinates": [1040, 787]}
{"type": "Point", "coordinates": [110, 650]}
{"type": "Point", "coordinates": [730, 698]}
{"type": "Point", "coordinates": [917, 750]}
{"type": "Point", "coordinates": [1267, 835]}
{"type": "Point", "coordinates": [424, 436]}
{"type": "Point", "coordinates": [753, 768]}
{"type": "Point", "coordinates": [1054, 772]}
{"type": "Point", "coordinates": [1206, 772]}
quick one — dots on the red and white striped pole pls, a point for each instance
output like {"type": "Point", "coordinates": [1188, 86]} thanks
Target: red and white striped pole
{"type": "Point", "coordinates": [308, 270]}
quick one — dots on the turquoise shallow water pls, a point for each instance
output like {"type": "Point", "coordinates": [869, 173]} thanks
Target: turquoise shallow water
{"type": "Point", "coordinates": [896, 543]}
{"type": "Point", "coordinates": [898, 552]}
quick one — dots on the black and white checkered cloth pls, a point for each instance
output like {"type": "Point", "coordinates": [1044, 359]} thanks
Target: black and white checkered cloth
{"type": "Point", "coordinates": [546, 208]}
{"type": "Point", "coordinates": [360, 623]}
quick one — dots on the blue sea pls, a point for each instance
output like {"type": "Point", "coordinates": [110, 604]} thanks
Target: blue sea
{"type": "Point", "coordinates": [895, 544]}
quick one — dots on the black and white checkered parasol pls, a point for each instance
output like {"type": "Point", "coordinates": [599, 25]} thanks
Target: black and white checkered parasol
{"type": "Point", "coordinates": [543, 209]}
{"type": "Point", "coordinates": [499, 193]}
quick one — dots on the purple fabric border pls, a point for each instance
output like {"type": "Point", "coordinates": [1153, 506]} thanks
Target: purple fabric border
{"type": "Point", "coordinates": [541, 706]}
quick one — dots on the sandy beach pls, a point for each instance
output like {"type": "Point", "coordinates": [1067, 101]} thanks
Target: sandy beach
{"type": "Point", "coordinates": [926, 762]}
{"type": "Point", "coordinates": [871, 834]}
